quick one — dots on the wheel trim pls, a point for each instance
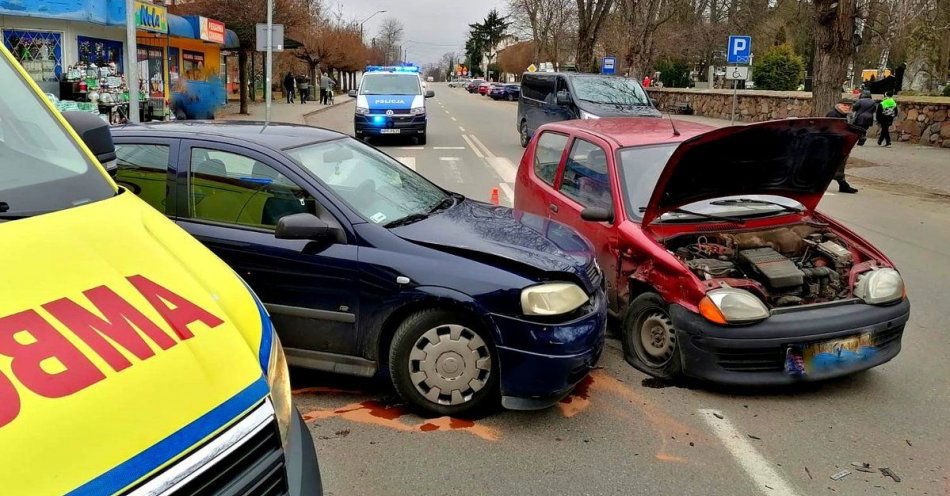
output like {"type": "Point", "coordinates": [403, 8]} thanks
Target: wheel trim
{"type": "Point", "coordinates": [448, 364]}
{"type": "Point", "coordinates": [657, 338]}
{"type": "Point", "coordinates": [524, 133]}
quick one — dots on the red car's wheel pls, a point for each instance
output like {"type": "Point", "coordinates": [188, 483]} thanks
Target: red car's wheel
{"type": "Point", "coordinates": [649, 338]}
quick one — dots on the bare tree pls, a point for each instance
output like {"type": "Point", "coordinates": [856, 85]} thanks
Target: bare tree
{"type": "Point", "coordinates": [590, 20]}
{"type": "Point", "coordinates": [389, 39]}
{"type": "Point", "coordinates": [834, 46]}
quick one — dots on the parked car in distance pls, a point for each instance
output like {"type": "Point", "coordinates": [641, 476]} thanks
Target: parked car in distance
{"type": "Point", "coordinates": [458, 83]}
{"type": "Point", "coordinates": [560, 96]}
{"type": "Point", "coordinates": [485, 87]}
{"type": "Point", "coordinates": [473, 85]}
{"type": "Point", "coordinates": [510, 92]}
{"type": "Point", "coordinates": [130, 355]}
{"type": "Point", "coordinates": [366, 266]}
{"type": "Point", "coordinates": [714, 254]}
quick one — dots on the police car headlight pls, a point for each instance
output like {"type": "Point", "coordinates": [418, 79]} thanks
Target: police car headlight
{"type": "Point", "coordinates": [278, 380]}
{"type": "Point", "coordinates": [418, 110]}
{"type": "Point", "coordinates": [877, 287]}
{"type": "Point", "coordinates": [553, 298]}
{"type": "Point", "coordinates": [588, 115]}
{"type": "Point", "coordinates": [362, 110]}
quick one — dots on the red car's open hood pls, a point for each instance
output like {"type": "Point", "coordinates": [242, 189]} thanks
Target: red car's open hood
{"type": "Point", "coordinates": [794, 158]}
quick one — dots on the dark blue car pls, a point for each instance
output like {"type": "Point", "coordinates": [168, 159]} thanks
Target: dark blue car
{"type": "Point", "coordinates": [510, 92]}
{"type": "Point", "coordinates": [366, 266]}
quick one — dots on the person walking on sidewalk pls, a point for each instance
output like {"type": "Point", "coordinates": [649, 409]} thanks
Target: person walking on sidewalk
{"type": "Point", "coordinates": [303, 84]}
{"type": "Point", "coordinates": [862, 114]}
{"type": "Point", "coordinates": [841, 111]}
{"type": "Point", "coordinates": [326, 86]}
{"type": "Point", "coordinates": [290, 86]}
{"type": "Point", "coordinates": [886, 113]}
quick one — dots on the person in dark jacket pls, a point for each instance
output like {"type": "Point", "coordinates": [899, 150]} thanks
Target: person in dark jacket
{"type": "Point", "coordinates": [886, 113]}
{"type": "Point", "coordinates": [864, 110]}
{"type": "Point", "coordinates": [290, 86]}
{"type": "Point", "coordinates": [841, 111]}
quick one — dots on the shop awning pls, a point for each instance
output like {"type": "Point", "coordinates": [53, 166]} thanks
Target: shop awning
{"type": "Point", "coordinates": [180, 27]}
{"type": "Point", "coordinates": [231, 39]}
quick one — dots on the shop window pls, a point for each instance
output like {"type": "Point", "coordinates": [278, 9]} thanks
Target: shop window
{"type": "Point", "coordinates": [100, 52]}
{"type": "Point", "coordinates": [39, 52]}
{"type": "Point", "coordinates": [152, 69]}
{"type": "Point", "coordinates": [193, 65]}
{"type": "Point", "coordinates": [174, 67]}
{"type": "Point", "coordinates": [143, 170]}
{"type": "Point", "coordinates": [234, 189]}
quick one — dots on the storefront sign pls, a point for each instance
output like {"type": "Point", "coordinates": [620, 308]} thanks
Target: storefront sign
{"type": "Point", "coordinates": [211, 30]}
{"type": "Point", "coordinates": [150, 17]}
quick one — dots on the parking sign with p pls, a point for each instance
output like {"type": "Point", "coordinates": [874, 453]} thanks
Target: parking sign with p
{"type": "Point", "coordinates": [739, 50]}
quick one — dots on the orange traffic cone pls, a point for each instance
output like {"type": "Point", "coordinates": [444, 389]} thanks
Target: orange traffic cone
{"type": "Point", "coordinates": [494, 196]}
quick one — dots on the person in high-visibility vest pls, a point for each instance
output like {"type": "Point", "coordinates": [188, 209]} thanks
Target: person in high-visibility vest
{"type": "Point", "coordinates": [886, 113]}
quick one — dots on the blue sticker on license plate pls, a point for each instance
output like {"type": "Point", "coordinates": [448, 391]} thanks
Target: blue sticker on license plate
{"type": "Point", "coordinates": [829, 356]}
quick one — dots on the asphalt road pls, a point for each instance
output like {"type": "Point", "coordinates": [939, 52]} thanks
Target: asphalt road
{"type": "Point", "coordinates": [618, 435]}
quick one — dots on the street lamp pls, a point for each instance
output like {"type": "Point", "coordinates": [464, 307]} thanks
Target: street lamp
{"type": "Point", "coordinates": [368, 18]}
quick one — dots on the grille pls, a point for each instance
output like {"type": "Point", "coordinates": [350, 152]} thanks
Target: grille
{"type": "Point", "coordinates": [254, 468]}
{"type": "Point", "coordinates": [593, 274]}
{"type": "Point", "coordinates": [399, 111]}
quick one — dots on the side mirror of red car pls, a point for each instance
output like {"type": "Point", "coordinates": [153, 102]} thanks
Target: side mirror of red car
{"type": "Point", "coordinates": [597, 214]}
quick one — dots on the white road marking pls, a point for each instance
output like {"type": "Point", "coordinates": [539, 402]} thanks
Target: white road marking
{"type": "Point", "coordinates": [448, 158]}
{"type": "Point", "coordinates": [411, 148]}
{"type": "Point", "coordinates": [484, 148]}
{"type": "Point", "coordinates": [448, 147]}
{"type": "Point", "coordinates": [453, 163]}
{"type": "Point", "coordinates": [508, 191]}
{"type": "Point", "coordinates": [473, 147]}
{"type": "Point", "coordinates": [408, 162]}
{"type": "Point", "coordinates": [505, 169]}
{"type": "Point", "coordinates": [461, 129]}
{"type": "Point", "coordinates": [765, 478]}
{"type": "Point", "coordinates": [454, 119]}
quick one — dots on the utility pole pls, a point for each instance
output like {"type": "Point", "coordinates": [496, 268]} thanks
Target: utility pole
{"type": "Point", "coordinates": [364, 22]}
{"type": "Point", "coordinates": [131, 62]}
{"type": "Point", "coordinates": [270, 60]}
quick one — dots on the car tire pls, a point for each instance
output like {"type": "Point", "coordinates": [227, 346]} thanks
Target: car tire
{"type": "Point", "coordinates": [436, 347]}
{"type": "Point", "coordinates": [523, 133]}
{"type": "Point", "coordinates": [421, 139]}
{"type": "Point", "coordinates": [649, 338]}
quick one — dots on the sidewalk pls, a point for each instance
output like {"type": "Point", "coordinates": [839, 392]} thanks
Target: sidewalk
{"type": "Point", "coordinates": [925, 169]}
{"type": "Point", "coordinates": [294, 113]}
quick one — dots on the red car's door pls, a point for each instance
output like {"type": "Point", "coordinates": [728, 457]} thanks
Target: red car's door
{"type": "Point", "coordinates": [586, 179]}
{"type": "Point", "coordinates": [534, 186]}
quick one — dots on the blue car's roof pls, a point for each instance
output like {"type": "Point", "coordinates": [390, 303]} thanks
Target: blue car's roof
{"type": "Point", "coordinates": [279, 136]}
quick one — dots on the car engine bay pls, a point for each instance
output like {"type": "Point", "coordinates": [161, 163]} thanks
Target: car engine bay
{"type": "Point", "coordinates": [785, 266]}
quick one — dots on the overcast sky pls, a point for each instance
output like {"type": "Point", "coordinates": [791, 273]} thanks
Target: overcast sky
{"type": "Point", "coordinates": [432, 27]}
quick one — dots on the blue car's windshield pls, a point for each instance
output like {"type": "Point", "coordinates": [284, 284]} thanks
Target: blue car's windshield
{"type": "Point", "coordinates": [379, 188]}
{"type": "Point", "coordinates": [390, 84]}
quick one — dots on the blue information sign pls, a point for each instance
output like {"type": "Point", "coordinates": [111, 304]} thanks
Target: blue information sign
{"type": "Point", "coordinates": [739, 50]}
{"type": "Point", "coordinates": [609, 65]}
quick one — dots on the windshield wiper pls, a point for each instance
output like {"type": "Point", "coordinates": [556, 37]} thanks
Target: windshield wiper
{"type": "Point", "coordinates": [447, 203]}
{"type": "Point", "coordinates": [738, 220]}
{"type": "Point", "coordinates": [409, 219]}
{"type": "Point", "coordinates": [746, 201]}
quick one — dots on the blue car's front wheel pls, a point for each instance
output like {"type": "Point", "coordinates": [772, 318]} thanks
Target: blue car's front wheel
{"type": "Point", "coordinates": [443, 364]}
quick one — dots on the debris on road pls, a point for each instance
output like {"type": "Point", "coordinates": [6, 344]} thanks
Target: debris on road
{"type": "Point", "coordinates": [908, 442]}
{"type": "Point", "coordinates": [890, 473]}
{"type": "Point", "coordinates": [754, 437]}
{"type": "Point", "coordinates": [809, 473]}
{"type": "Point", "coordinates": [862, 467]}
{"type": "Point", "coordinates": [840, 475]}
{"type": "Point", "coordinates": [718, 416]}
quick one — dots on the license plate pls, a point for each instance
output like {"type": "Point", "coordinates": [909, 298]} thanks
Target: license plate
{"type": "Point", "coordinates": [389, 131]}
{"type": "Point", "coordinates": [830, 356]}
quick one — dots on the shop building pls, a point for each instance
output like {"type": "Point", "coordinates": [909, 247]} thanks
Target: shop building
{"type": "Point", "coordinates": [60, 42]}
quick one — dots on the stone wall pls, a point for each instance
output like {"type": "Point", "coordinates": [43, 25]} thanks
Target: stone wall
{"type": "Point", "coordinates": [921, 120]}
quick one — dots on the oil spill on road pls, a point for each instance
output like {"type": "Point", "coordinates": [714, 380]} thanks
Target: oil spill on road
{"type": "Point", "coordinates": [655, 383]}
{"type": "Point", "coordinates": [325, 390]}
{"type": "Point", "coordinates": [388, 416]}
{"type": "Point", "coordinates": [578, 400]}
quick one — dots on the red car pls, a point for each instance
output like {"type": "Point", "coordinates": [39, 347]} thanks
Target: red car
{"type": "Point", "coordinates": [484, 88]}
{"type": "Point", "coordinates": [713, 253]}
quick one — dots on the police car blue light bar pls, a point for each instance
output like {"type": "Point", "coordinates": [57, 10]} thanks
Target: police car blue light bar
{"type": "Point", "coordinates": [392, 68]}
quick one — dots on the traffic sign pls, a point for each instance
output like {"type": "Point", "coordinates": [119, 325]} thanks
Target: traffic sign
{"type": "Point", "coordinates": [739, 50]}
{"type": "Point", "coordinates": [609, 65]}
{"type": "Point", "coordinates": [532, 68]}
{"type": "Point", "coordinates": [277, 37]}
{"type": "Point", "coordinates": [737, 72]}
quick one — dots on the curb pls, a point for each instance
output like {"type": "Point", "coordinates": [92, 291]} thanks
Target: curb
{"type": "Point", "coordinates": [328, 107]}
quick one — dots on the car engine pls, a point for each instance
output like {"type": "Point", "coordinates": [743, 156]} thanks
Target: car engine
{"type": "Point", "coordinates": [785, 266]}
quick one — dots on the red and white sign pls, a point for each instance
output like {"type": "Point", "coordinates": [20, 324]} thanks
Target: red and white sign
{"type": "Point", "coordinates": [211, 30]}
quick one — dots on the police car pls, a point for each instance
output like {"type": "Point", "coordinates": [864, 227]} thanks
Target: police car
{"type": "Point", "coordinates": [391, 101]}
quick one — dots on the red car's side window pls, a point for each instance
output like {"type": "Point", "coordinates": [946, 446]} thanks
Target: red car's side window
{"type": "Point", "coordinates": [547, 156]}
{"type": "Point", "coordinates": [586, 179]}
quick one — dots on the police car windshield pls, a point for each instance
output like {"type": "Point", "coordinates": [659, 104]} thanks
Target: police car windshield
{"type": "Point", "coordinates": [609, 90]}
{"type": "Point", "coordinates": [390, 84]}
{"type": "Point", "coordinates": [43, 169]}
